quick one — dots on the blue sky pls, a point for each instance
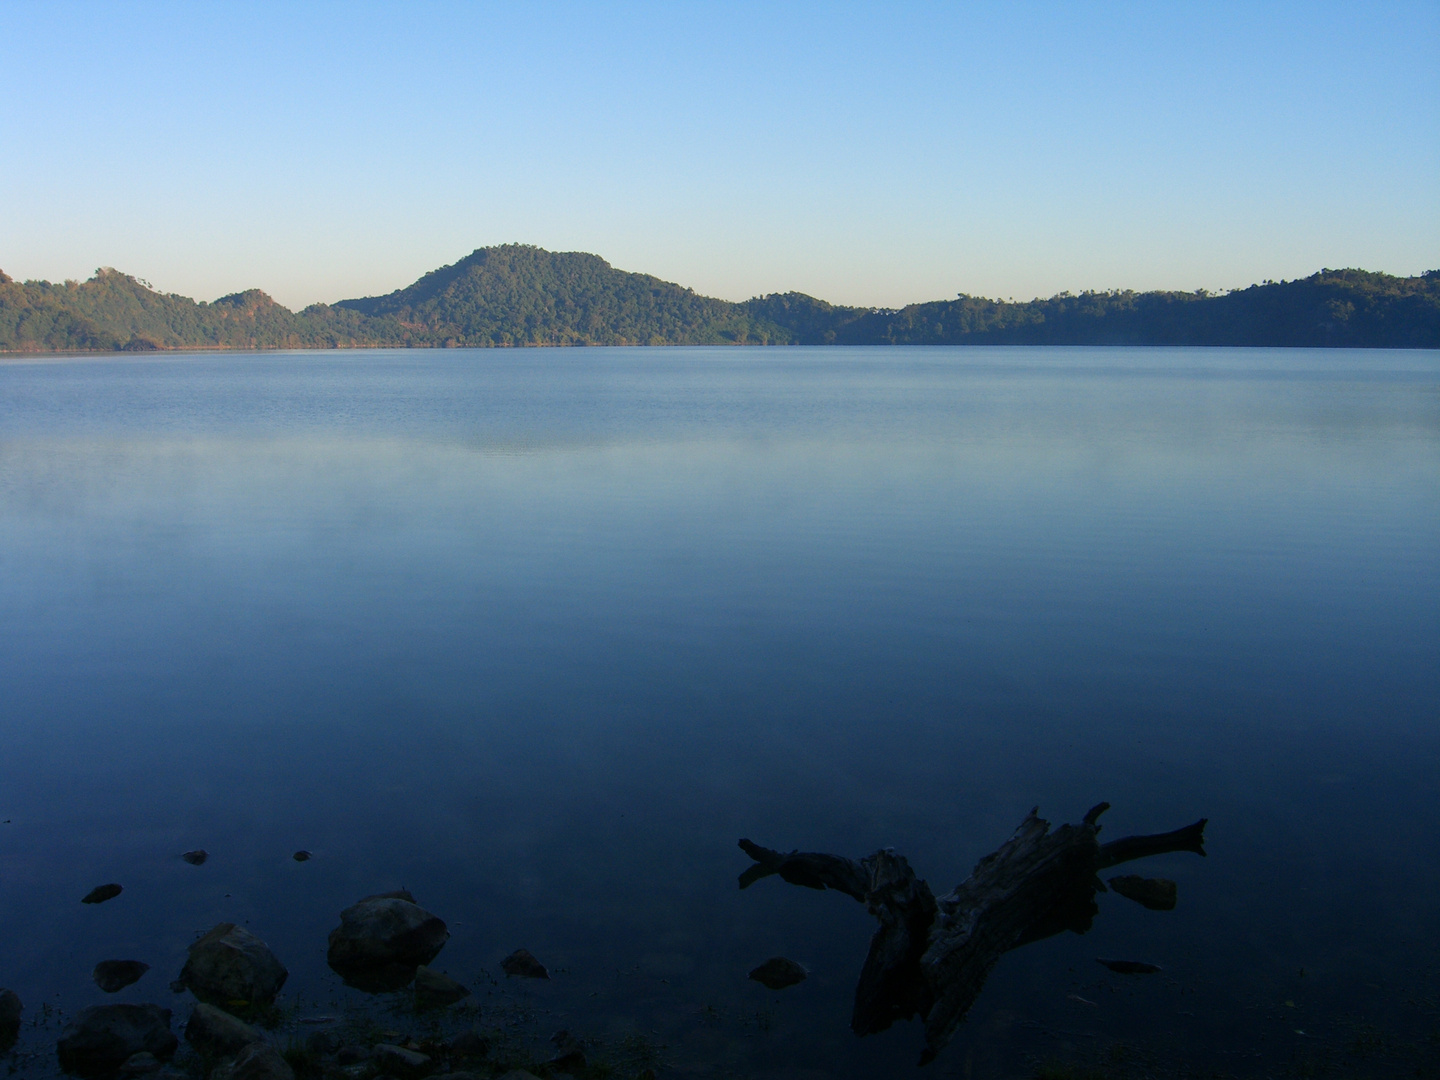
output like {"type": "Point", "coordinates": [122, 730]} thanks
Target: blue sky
{"type": "Point", "coordinates": [864, 153]}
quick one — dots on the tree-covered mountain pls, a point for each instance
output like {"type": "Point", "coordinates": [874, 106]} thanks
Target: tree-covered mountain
{"type": "Point", "coordinates": [522, 295]}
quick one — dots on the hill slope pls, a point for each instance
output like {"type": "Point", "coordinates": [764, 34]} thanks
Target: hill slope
{"type": "Point", "coordinates": [522, 295]}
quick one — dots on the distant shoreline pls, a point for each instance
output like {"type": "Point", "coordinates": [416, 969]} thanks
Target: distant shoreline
{"type": "Point", "coordinates": [516, 296]}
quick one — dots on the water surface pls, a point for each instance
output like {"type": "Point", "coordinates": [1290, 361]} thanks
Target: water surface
{"type": "Point", "coordinates": [539, 634]}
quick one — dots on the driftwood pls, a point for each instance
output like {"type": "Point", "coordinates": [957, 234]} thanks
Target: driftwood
{"type": "Point", "coordinates": [931, 955]}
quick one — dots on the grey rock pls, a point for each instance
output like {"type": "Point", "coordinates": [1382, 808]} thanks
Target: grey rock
{"type": "Point", "coordinates": [458, 1074]}
{"type": "Point", "coordinates": [139, 1064]}
{"type": "Point", "coordinates": [352, 1055]}
{"type": "Point", "coordinates": [215, 1033]}
{"type": "Point", "coordinates": [302, 856]}
{"type": "Point", "coordinates": [519, 1074]}
{"type": "Point", "coordinates": [196, 857]}
{"type": "Point", "coordinates": [434, 990]}
{"type": "Point", "coordinates": [114, 975]}
{"type": "Point", "coordinates": [103, 1037]}
{"type": "Point", "coordinates": [101, 893]}
{"type": "Point", "coordinates": [522, 964]}
{"type": "Point", "coordinates": [777, 973]}
{"type": "Point", "coordinates": [232, 968]}
{"type": "Point", "coordinates": [258, 1061]}
{"type": "Point", "coordinates": [399, 1060]}
{"type": "Point", "coordinates": [382, 940]}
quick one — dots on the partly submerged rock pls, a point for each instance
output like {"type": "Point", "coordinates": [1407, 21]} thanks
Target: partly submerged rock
{"type": "Point", "coordinates": [10, 1010]}
{"type": "Point", "coordinates": [434, 990]}
{"type": "Point", "coordinates": [101, 893]}
{"type": "Point", "coordinates": [382, 940]}
{"type": "Point", "coordinates": [302, 856]}
{"type": "Point", "coordinates": [232, 968]}
{"type": "Point", "coordinates": [103, 1037]}
{"type": "Point", "coordinates": [115, 975]}
{"type": "Point", "coordinates": [522, 964]}
{"type": "Point", "coordinates": [258, 1061]}
{"type": "Point", "coordinates": [1157, 894]}
{"type": "Point", "coordinates": [1130, 967]}
{"type": "Point", "coordinates": [196, 857]}
{"type": "Point", "coordinates": [215, 1033]}
{"type": "Point", "coordinates": [777, 973]}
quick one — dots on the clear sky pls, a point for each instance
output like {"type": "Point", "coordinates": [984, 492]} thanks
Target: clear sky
{"type": "Point", "coordinates": [863, 153]}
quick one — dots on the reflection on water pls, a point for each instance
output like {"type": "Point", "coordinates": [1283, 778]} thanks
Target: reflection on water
{"type": "Point", "coordinates": [538, 635]}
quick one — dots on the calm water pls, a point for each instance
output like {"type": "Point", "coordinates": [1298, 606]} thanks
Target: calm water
{"type": "Point", "coordinates": [540, 634]}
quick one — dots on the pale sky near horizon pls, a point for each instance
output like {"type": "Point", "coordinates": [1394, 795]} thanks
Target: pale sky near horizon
{"type": "Point", "coordinates": [863, 153]}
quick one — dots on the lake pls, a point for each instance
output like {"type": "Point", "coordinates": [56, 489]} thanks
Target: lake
{"type": "Point", "coordinates": [540, 634]}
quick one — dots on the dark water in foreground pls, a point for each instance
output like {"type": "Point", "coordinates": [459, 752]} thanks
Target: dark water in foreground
{"type": "Point", "coordinates": [540, 634]}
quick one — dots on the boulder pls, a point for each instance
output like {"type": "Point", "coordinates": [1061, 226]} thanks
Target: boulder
{"type": "Point", "coordinates": [196, 857]}
{"type": "Point", "coordinates": [114, 975]}
{"type": "Point", "coordinates": [469, 1044]}
{"type": "Point", "coordinates": [103, 1037]}
{"type": "Point", "coordinates": [232, 968]}
{"type": "Point", "coordinates": [434, 990]}
{"type": "Point", "coordinates": [522, 964]}
{"type": "Point", "coordinates": [258, 1061]}
{"type": "Point", "coordinates": [101, 893]}
{"type": "Point", "coordinates": [382, 940]}
{"type": "Point", "coordinates": [215, 1033]}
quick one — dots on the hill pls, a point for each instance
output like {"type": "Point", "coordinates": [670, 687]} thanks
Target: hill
{"type": "Point", "coordinates": [520, 295]}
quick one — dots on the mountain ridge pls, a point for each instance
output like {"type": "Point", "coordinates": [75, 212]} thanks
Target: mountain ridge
{"type": "Point", "coordinates": [520, 295]}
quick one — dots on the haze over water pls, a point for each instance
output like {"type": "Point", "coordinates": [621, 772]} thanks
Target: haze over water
{"type": "Point", "coordinates": [540, 634]}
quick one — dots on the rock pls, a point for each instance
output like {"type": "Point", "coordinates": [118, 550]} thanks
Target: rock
{"type": "Point", "coordinates": [139, 1064]}
{"type": "Point", "coordinates": [382, 940]}
{"type": "Point", "coordinates": [470, 1044]}
{"type": "Point", "coordinates": [1157, 894]}
{"type": "Point", "coordinates": [176, 986]}
{"type": "Point", "coordinates": [459, 1074]}
{"type": "Point", "coordinates": [519, 1074]}
{"type": "Point", "coordinates": [1130, 967]}
{"type": "Point", "coordinates": [352, 1055]}
{"type": "Point", "coordinates": [434, 990]}
{"type": "Point", "coordinates": [522, 964]}
{"type": "Point", "coordinates": [113, 975]}
{"type": "Point", "coordinates": [232, 968]}
{"type": "Point", "coordinates": [258, 1061]}
{"type": "Point", "coordinates": [103, 1037]}
{"type": "Point", "coordinates": [196, 857]}
{"type": "Point", "coordinates": [571, 1056]}
{"type": "Point", "coordinates": [101, 893]}
{"type": "Point", "coordinates": [215, 1033]}
{"type": "Point", "coordinates": [398, 1059]}
{"type": "Point", "coordinates": [777, 973]}
{"type": "Point", "coordinates": [10, 1010]}
{"type": "Point", "coordinates": [301, 856]}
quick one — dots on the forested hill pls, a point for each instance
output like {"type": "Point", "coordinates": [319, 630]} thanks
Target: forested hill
{"type": "Point", "coordinates": [521, 295]}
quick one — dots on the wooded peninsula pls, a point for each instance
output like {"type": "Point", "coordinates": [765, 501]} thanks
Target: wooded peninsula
{"type": "Point", "coordinates": [516, 294]}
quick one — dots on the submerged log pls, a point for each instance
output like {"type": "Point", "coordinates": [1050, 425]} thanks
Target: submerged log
{"type": "Point", "coordinates": [931, 955]}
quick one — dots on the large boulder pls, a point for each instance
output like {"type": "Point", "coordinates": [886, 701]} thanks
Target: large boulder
{"type": "Point", "coordinates": [215, 1033]}
{"type": "Point", "coordinates": [232, 968]}
{"type": "Point", "coordinates": [382, 940]}
{"type": "Point", "coordinates": [103, 1037]}
{"type": "Point", "coordinates": [258, 1061]}
{"type": "Point", "coordinates": [435, 990]}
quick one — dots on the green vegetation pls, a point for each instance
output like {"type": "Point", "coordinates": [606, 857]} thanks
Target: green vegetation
{"type": "Point", "coordinates": [520, 295]}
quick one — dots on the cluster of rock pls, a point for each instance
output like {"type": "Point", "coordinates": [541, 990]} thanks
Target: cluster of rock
{"type": "Point", "coordinates": [383, 943]}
